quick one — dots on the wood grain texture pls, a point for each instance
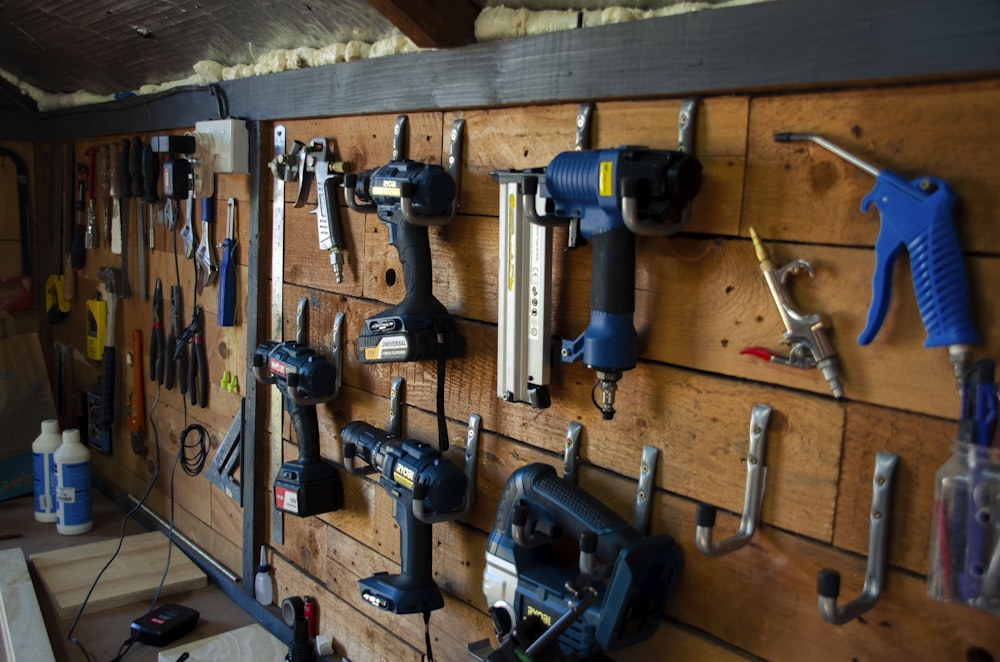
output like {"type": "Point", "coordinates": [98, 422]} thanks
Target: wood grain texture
{"type": "Point", "coordinates": [251, 642]}
{"type": "Point", "coordinates": [68, 573]}
{"type": "Point", "coordinates": [801, 192]}
{"type": "Point", "coordinates": [22, 631]}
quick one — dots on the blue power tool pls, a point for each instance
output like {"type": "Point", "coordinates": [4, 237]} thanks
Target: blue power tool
{"type": "Point", "coordinates": [616, 194]}
{"type": "Point", "coordinates": [632, 575]}
{"type": "Point", "coordinates": [916, 217]}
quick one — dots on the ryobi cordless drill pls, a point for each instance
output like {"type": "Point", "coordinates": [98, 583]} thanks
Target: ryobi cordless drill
{"type": "Point", "coordinates": [408, 196]}
{"type": "Point", "coordinates": [308, 485]}
{"type": "Point", "coordinates": [631, 574]}
{"type": "Point", "coordinates": [427, 488]}
{"type": "Point", "coordinates": [616, 194]}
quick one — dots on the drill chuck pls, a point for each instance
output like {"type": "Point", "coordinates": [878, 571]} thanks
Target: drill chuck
{"type": "Point", "coordinates": [410, 464]}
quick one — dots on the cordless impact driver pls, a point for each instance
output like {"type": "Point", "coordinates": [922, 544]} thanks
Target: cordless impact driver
{"type": "Point", "coordinates": [427, 488]}
{"type": "Point", "coordinates": [308, 485]}
{"type": "Point", "coordinates": [615, 194]}
{"type": "Point", "coordinates": [408, 196]}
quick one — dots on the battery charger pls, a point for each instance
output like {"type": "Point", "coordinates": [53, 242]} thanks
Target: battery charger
{"type": "Point", "coordinates": [164, 624]}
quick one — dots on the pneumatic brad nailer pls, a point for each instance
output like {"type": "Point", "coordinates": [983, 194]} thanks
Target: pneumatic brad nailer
{"type": "Point", "coordinates": [615, 194]}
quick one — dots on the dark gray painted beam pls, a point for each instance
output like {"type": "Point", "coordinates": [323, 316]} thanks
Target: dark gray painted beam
{"type": "Point", "coordinates": [779, 44]}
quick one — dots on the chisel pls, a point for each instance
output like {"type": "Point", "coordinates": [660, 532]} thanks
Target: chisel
{"type": "Point", "coordinates": [124, 191]}
{"type": "Point", "coordinates": [135, 173]}
{"type": "Point", "coordinates": [90, 240]}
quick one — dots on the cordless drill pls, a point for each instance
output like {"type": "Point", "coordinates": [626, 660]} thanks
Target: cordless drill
{"type": "Point", "coordinates": [427, 487]}
{"type": "Point", "coordinates": [408, 196]}
{"type": "Point", "coordinates": [616, 194]}
{"type": "Point", "coordinates": [308, 485]}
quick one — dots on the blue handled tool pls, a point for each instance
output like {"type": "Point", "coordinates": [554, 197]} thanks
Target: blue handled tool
{"type": "Point", "coordinates": [916, 216]}
{"type": "Point", "coordinates": [227, 271]}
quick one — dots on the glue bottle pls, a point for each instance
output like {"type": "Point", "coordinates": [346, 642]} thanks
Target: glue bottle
{"type": "Point", "coordinates": [262, 582]}
{"type": "Point", "coordinates": [43, 469]}
{"type": "Point", "coordinates": [74, 509]}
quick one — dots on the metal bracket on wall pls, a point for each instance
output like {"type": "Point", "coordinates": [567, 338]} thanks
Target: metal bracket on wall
{"type": "Point", "coordinates": [229, 458]}
{"type": "Point", "coordinates": [571, 454]}
{"type": "Point", "coordinates": [277, 319]}
{"type": "Point", "coordinates": [644, 491]}
{"type": "Point", "coordinates": [752, 499]}
{"type": "Point", "coordinates": [395, 427]}
{"type": "Point", "coordinates": [828, 581]}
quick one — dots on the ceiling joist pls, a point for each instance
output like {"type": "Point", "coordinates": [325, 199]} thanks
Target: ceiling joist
{"type": "Point", "coordinates": [431, 24]}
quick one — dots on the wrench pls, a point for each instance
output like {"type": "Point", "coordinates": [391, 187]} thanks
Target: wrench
{"type": "Point", "coordinates": [204, 260]}
{"type": "Point", "coordinates": [187, 230]}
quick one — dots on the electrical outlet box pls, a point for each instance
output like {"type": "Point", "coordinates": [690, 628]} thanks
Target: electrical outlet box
{"type": "Point", "coordinates": [232, 145]}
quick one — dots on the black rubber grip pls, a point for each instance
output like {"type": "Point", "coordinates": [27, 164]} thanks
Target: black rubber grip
{"type": "Point", "coordinates": [169, 364]}
{"type": "Point", "coordinates": [150, 174]}
{"type": "Point", "coordinates": [828, 583]}
{"type": "Point", "coordinates": [414, 250]}
{"type": "Point", "coordinates": [135, 167]}
{"type": "Point", "coordinates": [530, 185]}
{"type": "Point", "coordinates": [706, 515]}
{"type": "Point", "coordinates": [305, 424]}
{"type": "Point", "coordinates": [612, 287]}
{"type": "Point", "coordinates": [588, 542]}
{"type": "Point", "coordinates": [108, 385]}
{"type": "Point", "coordinates": [124, 179]}
{"type": "Point", "coordinates": [181, 353]}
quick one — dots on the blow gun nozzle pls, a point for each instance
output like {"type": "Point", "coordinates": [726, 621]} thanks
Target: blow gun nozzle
{"type": "Point", "coordinates": [789, 137]}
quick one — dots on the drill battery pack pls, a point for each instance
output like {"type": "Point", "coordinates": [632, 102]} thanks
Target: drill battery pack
{"type": "Point", "coordinates": [306, 488]}
{"type": "Point", "coordinates": [397, 339]}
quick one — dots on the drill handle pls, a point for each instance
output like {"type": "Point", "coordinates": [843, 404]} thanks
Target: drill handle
{"type": "Point", "coordinates": [414, 249]}
{"type": "Point", "coordinates": [920, 223]}
{"type": "Point", "coordinates": [306, 426]}
{"type": "Point", "coordinates": [415, 544]}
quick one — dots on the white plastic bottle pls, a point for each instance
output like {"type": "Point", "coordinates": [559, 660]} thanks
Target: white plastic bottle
{"type": "Point", "coordinates": [74, 511]}
{"type": "Point", "coordinates": [43, 470]}
{"type": "Point", "coordinates": [262, 582]}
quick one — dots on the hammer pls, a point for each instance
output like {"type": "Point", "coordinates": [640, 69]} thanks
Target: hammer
{"type": "Point", "coordinates": [111, 278]}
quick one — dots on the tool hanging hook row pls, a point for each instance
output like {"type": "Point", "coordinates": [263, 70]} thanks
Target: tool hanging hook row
{"type": "Point", "coordinates": [828, 581]}
{"type": "Point", "coordinates": [752, 499]}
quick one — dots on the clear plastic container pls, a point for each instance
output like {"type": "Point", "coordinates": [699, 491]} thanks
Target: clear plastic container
{"type": "Point", "coordinates": [964, 559]}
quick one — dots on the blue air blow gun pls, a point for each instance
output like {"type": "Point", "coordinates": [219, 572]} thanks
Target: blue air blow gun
{"type": "Point", "coordinates": [616, 194]}
{"type": "Point", "coordinates": [916, 217]}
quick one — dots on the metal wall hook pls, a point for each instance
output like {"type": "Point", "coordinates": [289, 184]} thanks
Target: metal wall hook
{"type": "Point", "coordinates": [752, 498]}
{"type": "Point", "coordinates": [828, 581]}
{"type": "Point", "coordinates": [644, 490]}
{"type": "Point", "coordinates": [471, 457]}
{"type": "Point", "coordinates": [571, 452]}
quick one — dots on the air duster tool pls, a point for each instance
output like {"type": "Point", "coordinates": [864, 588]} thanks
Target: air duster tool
{"type": "Point", "coordinates": [308, 485]}
{"type": "Point", "coordinates": [916, 217]}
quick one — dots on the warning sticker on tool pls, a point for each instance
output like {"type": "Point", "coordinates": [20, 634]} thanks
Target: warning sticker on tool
{"type": "Point", "coordinates": [286, 499]}
{"type": "Point", "coordinates": [604, 187]}
{"type": "Point", "coordinates": [388, 348]}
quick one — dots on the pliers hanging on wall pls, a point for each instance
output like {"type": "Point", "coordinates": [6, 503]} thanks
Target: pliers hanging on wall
{"type": "Point", "coordinates": [157, 345]}
{"type": "Point", "coordinates": [197, 371]}
{"type": "Point", "coordinates": [177, 356]}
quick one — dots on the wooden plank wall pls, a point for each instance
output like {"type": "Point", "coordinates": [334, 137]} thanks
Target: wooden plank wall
{"type": "Point", "coordinates": [700, 299]}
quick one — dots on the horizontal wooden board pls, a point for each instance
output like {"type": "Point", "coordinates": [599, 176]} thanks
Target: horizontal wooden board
{"type": "Point", "coordinates": [801, 192]}
{"type": "Point", "coordinates": [68, 573]}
